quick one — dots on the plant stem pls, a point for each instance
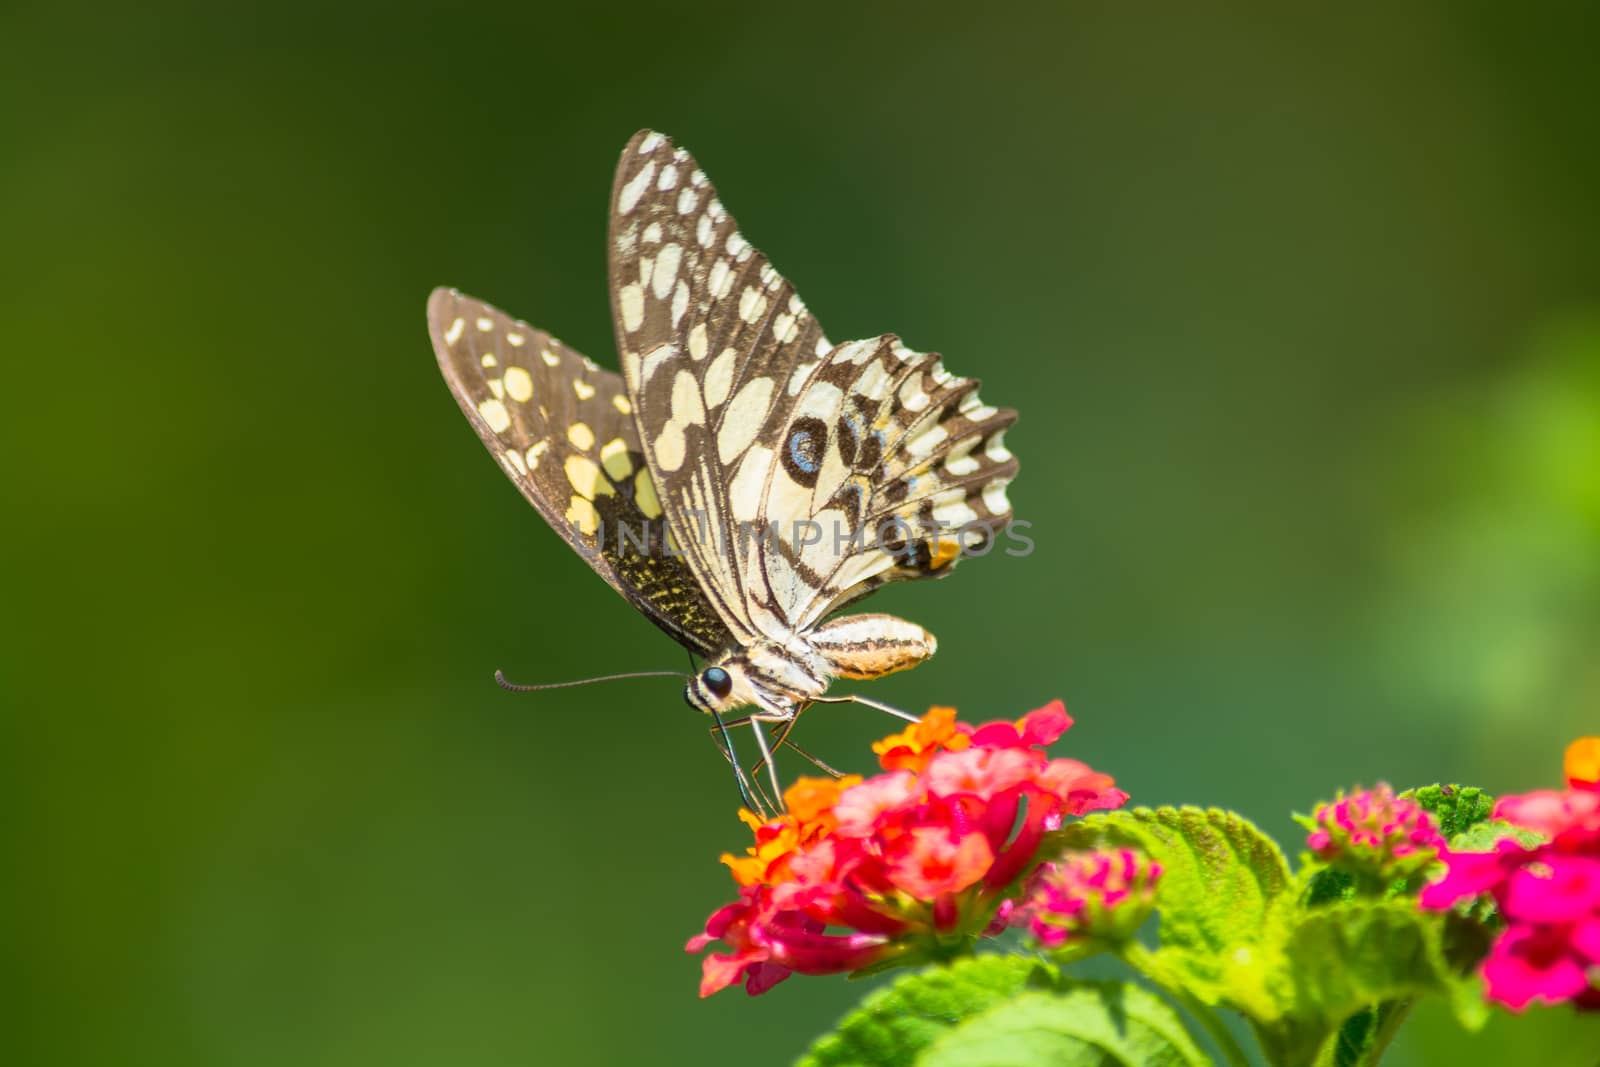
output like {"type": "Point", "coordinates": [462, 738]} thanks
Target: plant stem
{"type": "Point", "coordinates": [1139, 958]}
{"type": "Point", "coordinates": [1390, 1015]}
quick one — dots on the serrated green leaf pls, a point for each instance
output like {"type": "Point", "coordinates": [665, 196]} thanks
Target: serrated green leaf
{"type": "Point", "coordinates": [1481, 837]}
{"type": "Point", "coordinates": [1089, 1024]}
{"type": "Point", "coordinates": [1221, 881]}
{"type": "Point", "coordinates": [1344, 958]}
{"type": "Point", "coordinates": [894, 1024]}
{"type": "Point", "coordinates": [1456, 808]}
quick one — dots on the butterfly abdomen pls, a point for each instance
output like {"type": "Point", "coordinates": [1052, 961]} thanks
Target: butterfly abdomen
{"type": "Point", "coordinates": [872, 645]}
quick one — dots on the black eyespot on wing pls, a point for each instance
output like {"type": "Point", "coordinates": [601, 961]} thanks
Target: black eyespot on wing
{"type": "Point", "coordinates": [804, 448]}
{"type": "Point", "coordinates": [717, 680]}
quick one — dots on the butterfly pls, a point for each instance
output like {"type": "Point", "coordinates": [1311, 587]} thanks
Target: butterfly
{"type": "Point", "coordinates": [743, 478]}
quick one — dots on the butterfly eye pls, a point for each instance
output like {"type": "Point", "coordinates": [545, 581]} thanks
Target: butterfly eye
{"type": "Point", "coordinates": [717, 680]}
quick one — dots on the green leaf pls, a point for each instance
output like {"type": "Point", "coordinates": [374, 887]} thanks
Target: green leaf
{"type": "Point", "coordinates": [1328, 885]}
{"type": "Point", "coordinates": [1456, 808]}
{"type": "Point", "coordinates": [894, 1024]}
{"type": "Point", "coordinates": [1092, 1024]}
{"type": "Point", "coordinates": [1221, 881]}
{"type": "Point", "coordinates": [1481, 837]}
{"type": "Point", "coordinates": [1341, 959]}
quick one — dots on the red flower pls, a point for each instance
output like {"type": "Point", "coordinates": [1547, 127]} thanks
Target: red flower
{"type": "Point", "coordinates": [914, 863]}
{"type": "Point", "coordinates": [1548, 894]}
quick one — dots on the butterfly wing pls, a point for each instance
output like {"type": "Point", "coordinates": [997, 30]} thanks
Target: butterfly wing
{"type": "Point", "coordinates": [897, 465]}
{"type": "Point", "coordinates": [762, 436]}
{"type": "Point", "coordinates": [563, 430]}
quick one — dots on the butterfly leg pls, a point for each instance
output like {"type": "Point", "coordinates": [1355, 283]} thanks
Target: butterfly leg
{"type": "Point", "coordinates": [781, 741]}
{"type": "Point", "coordinates": [867, 702]}
{"type": "Point", "coordinates": [766, 755]}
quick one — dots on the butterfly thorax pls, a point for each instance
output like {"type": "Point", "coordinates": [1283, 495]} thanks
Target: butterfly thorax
{"type": "Point", "coordinates": [777, 678]}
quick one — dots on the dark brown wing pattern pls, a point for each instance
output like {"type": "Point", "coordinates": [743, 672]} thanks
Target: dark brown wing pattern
{"type": "Point", "coordinates": [563, 430]}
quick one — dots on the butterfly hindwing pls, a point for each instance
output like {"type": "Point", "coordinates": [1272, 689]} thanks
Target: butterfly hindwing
{"type": "Point", "coordinates": [562, 428]}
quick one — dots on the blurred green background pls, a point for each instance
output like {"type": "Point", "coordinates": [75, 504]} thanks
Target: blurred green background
{"type": "Point", "coordinates": [1302, 312]}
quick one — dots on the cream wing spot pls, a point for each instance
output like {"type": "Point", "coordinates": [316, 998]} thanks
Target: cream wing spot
{"type": "Point", "coordinates": [666, 270]}
{"type": "Point", "coordinates": [453, 334]}
{"type": "Point", "coordinates": [488, 360]}
{"type": "Point", "coordinates": [585, 478]}
{"type": "Point", "coordinates": [720, 280]}
{"type": "Point", "coordinates": [550, 358]}
{"type": "Point", "coordinates": [582, 516]}
{"type": "Point", "coordinates": [957, 514]}
{"type": "Point", "coordinates": [614, 458]}
{"type": "Point", "coordinates": [961, 466]}
{"type": "Point", "coordinates": [537, 449]}
{"type": "Point", "coordinates": [784, 328]}
{"type": "Point", "coordinates": [743, 419]}
{"type": "Point", "coordinates": [719, 377]}
{"type": "Point", "coordinates": [994, 498]}
{"type": "Point", "coordinates": [519, 384]}
{"type": "Point", "coordinates": [485, 324]}
{"type": "Point", "coordinates": [654, 360]}
{"type": "Point", "coordinates": [631, 301]}
{"type": "Point", "coordinates": [697, 342]}
{"type": "Point", "coordinates": [680, 301]}
{"type": "Point", "coordinates": [620, 402]}
{"type": "Point", "coordinates": [498, 388]}
{"type": "Point", "coordinates": [668, 179]}
{"type": "Point", "coordinates": [628, 199]}
{"type": "Point", "coordinates": [644, 494]}
{"type": "Point", "coordinates": [581, 436]}
{"type": "Point", "coordinates": [670, 447]}
{"type": "Point", "coordinates": [752, 304]}
{"type": "Point", "coordinates": [513, 459]}
{"type": "Point", "coordinates": [686, 405]}
{"type": "Point", "coordinates": [687, 200]}
{"type": "Point", "coordinates": [925, 442]}
{"type": "Point", "coordinates": [495, 414]}
{"type": "Point", "coordinates": [582, 388]}
{"type": "Point", "coordinates": [516, 340]}
{"type": "Point", "coordinates": [912, 396]}
{"type": "Point", "coordinates": [651, 142]}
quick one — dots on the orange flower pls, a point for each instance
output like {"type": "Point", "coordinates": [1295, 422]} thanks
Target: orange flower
{"type": "Point", "coordinates": [913, 747]}
{"type": "Point", "coordinates": [809, 817]}
{"type": "Point", "coordinates": [1583, 763]}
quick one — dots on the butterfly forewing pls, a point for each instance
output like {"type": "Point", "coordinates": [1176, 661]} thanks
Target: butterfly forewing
{"type": "Point", "coordinates": [563, 430]}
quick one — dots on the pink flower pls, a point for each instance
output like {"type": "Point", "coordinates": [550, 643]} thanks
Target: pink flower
{"type": "Point", "coordinates": [914, 863]}
{"type": "Point", "coordinates": [1548, 894]}
{"type": "Point", "coordinates": [1374, 831]}
{"type": "Point", "coordinates": [1102, 895]}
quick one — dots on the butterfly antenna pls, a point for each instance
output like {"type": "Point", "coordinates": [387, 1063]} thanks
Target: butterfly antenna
{"type": "Point", "coordinates": [513, 687]}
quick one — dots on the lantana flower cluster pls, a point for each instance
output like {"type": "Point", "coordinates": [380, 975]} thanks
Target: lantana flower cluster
{"type": "Point", "coordinates": [909, 865]}
{"type": "Point", "coordinates": [1090, 896]}
{"type": "Point", "coordinates": [1548, 894]}
{"type": "Point", "coordinates": [1374, 832]}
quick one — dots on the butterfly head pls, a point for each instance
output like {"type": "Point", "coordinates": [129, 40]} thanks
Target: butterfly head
{"type": "Point", "coordinates": [772, 679]}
